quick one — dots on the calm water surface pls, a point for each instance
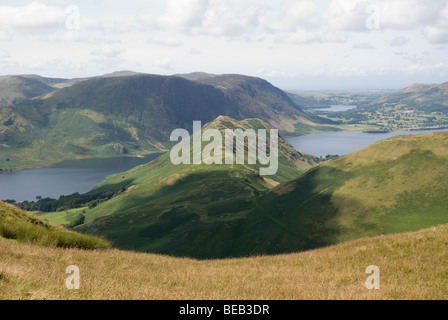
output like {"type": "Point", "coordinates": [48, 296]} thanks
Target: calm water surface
{"type": "Point", "coordinates": [63, 178]}
{"type": "Point", "coordinates": [337, 108]}
{"type": "Point", "coordinates": [342, 142]}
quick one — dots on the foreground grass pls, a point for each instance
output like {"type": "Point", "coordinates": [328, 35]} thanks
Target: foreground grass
{"type": "Point", "coordinates": [412, 266]}
{"type": "Point", "coordinates": [24, 227]}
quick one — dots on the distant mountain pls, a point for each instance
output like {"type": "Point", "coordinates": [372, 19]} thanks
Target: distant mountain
{"type": "Point", "coordinates": [166, 208]}
{"type": "Point", "coordinates": [421, 97]}
{"type": "Point", "coordinates": [196, 76]}
{"type": "Point", "coordinates": [130, 113]}
{"type": "Point", "coordinates": [123, 73]}
{"type": "Point", "coordinates": [261, 99]}
{"type": "Point", "coordinates": [16, 89]}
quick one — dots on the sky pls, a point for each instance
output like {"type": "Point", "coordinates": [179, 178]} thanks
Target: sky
{"type": "Point", "coordinates": [296, 45]}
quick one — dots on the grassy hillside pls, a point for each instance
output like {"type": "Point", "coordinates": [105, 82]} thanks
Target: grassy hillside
{"type": "Point", "coordinates": [395, 185]}
{"type": "Point", "coordinates": [21, 226]}
{"type": "Point", "coordinates": [422, 97]}
{"type": "Point", "coordinates": [181, 210]}
{"type": "Point", "coordinates": [392, 186]}
{"type": "Point", "coordinates": [130, 113]}
{"type": "Point", "coordinates": [15, 89]}
{"type": "Point", "coordinates": [412, 266]}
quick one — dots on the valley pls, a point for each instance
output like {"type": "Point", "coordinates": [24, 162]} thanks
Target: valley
{"type": "Point", "coordinates": [417, 107]}
{"type": "Point", "coordinates": [383, 201]}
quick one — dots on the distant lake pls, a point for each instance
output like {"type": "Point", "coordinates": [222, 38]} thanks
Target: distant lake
{"type": "Point", "coordinates": [337, 108]}
{"type": "Point", "coordinates": [64, 178]}
{"type": "Point", "coordinates": [342, 142]}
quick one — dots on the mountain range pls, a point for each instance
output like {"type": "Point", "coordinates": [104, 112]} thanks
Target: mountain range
{"type": "Point", "coordinates": [128, 113]}
{"type": "Point", "coordinates": [218, 211]}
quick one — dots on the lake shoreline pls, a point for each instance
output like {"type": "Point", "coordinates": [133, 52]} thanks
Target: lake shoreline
{"type": "Point", "coordinates": [48, 164]}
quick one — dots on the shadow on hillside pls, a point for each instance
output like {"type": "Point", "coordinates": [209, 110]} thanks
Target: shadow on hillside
{"type": "Point", "coordinates": [296, 216]}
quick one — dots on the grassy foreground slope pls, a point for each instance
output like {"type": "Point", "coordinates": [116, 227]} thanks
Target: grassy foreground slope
{"type": "Point", "coordinates": [21, 226]}
{"type": "Point", "coordinates": [412, 266]}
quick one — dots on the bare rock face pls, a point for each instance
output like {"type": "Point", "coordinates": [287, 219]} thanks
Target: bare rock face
{"type": "Point", "coordinates": [120, 148]}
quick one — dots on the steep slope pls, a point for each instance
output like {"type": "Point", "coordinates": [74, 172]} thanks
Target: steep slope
{"type": "Point", "coordinates": [166, 208]}
{"type": "Point", "coordinates": [16, 89]}
{"type": "Point", "coordinates": [261, 100]}
{"type": "Point", "coordinates": [21, 226]}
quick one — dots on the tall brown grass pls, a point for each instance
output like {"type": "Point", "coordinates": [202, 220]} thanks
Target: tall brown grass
{"type": "Point", "coordinates": [412, 266]}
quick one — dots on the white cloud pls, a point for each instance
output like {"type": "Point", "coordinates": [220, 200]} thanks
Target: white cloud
{"type": "Point", "coordinates": [409, 14]}
{"type": "Point", "coordinates": [363, 45]}
{"type": "Point", "coordinates": [399, 41]}
{"type": "Point", "coordinates": [436, 35]}
{"type": "Point", "coordinates": [164, 63]}
{"type": "Point", "coordinates": [443, 18]}
{"type": "Point", "coordinates": [168, 41]}
{"type": "Point", "coordinates": [300, 15]}
{"type": "Point", "coordinates": [179, 15]}
{"type": "Point", "coordinates": [4, 36]}
{"type": "Point", "coordinates": [298, 37]}
{"type": "Point", "coordinates": [32, 17]}
{"type": "Point", "coordinates": [109, 51]}
{"type": "Point", "coordinates": [231, 18]}
{"type": "Point", "coordinates": [352, 15]}
{"type": "Point", "coordinates": [346, 15]}
{"type": "Point", "coordinates": [4, 57]}
{"type": "Point", "coordinates": [194, 51]}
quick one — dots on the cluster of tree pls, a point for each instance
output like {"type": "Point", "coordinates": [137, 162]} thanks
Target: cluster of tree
{"type": "Point", "coordinates": [76, 200]}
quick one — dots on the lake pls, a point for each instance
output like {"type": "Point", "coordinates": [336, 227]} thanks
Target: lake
{"type": "Point", "coordinates": [342, 142]}
{"type": "Point", "coordinates": [64, 178]}
{"type": "Point", "coordinates": [81, 176]}
{"type": "Point", "coordinates": [336, 108]}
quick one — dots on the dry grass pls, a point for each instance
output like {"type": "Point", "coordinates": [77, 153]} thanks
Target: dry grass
{"type": "Point", "coordinates": [412, 266]}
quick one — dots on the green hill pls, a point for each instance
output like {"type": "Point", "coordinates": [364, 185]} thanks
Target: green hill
{"type": "Point", "coordinates": [422, 97]}
{"type": "Point", "coordinates": [194, 210]}
{"type": "Point", "coordinates": [127, 113]}
{"type": "Point", "coordinates": [16, 89]}
{"type": "Point", "coordinates": [18, 225]}
{"type": "Point", "coordinates": [393, 186]}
